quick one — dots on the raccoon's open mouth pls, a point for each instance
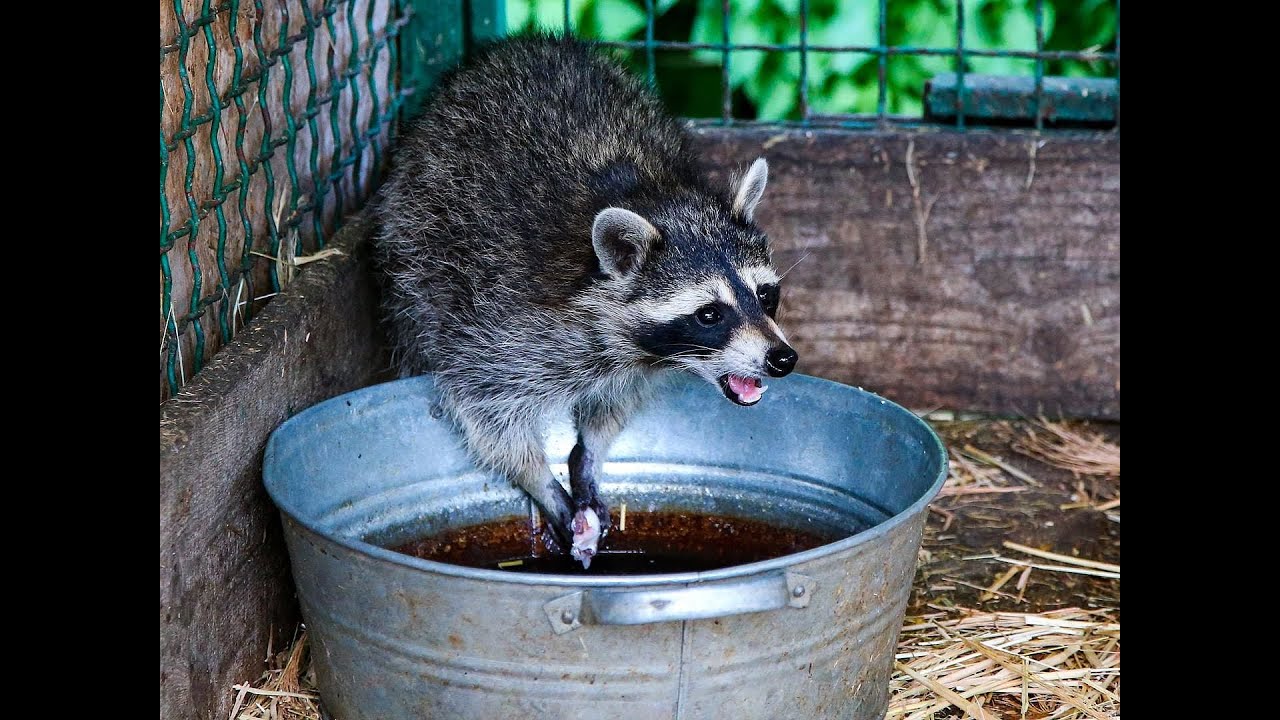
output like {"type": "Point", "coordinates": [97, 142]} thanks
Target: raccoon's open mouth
{"type": "Point", "coordinates": [742, 389]}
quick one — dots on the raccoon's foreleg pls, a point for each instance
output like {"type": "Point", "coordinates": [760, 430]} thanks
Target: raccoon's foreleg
{"type": "Point", "coordinates": [598, 423]}
{"type": "Point", "coordinates": [515, 450]}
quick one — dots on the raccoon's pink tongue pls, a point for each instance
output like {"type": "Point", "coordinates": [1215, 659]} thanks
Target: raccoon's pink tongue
{"type": "Point", "coordinates": [748, 390]}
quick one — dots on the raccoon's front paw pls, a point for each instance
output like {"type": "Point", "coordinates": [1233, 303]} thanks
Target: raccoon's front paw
{"type": "Point", "coordinates": [602, 514]}
{"type": "Point", "coordinates": [586, 536]}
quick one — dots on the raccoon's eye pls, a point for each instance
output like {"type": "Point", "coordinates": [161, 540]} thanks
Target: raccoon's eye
{"type": "Point", "coordinates": [769, 296]}
{"type": "Point", "coordinates": [708, 315]}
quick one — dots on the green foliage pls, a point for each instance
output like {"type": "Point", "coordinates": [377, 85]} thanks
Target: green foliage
{"type": "Point", "coordinates": [765, 85]}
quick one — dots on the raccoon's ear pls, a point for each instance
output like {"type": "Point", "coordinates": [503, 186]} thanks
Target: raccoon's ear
{"type": "Point", "coordinates": [750, 189]}
{"type": "Point", "coordinates": [622, 239]}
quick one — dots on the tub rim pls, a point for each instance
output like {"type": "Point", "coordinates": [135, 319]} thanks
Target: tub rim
{"type": "Point", "coordinates": [778, 564]}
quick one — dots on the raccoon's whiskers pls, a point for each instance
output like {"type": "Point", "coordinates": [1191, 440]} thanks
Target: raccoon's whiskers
{"type": "Point", "coordinates": [806, 254]}
{"type": "Point", "coordinates": [693, 351]}
{"type": "Point", "coordinates": [683, 363]}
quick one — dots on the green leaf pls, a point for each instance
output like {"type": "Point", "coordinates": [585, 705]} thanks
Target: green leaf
{"type": "Point", "coordinates": [867, 99]}
{"type": "Point", "coordinates": [841, 97]}
{"type": "Point", "coordinates": [790, 63]}
{"type": "Point", "coordinates": [757, 86]}
{"type": "Point", "coordinates": [777, 104]}
{"type": "Point", "coordinates": [934, 64]}
{"type": "Point", "coordinates": [822, 8]}
{"type": "Point", "coordinates": [820, 68]}
{"type": "Point", "coordinates": [1002, 65]}
{"type": "Point", "coordinates": [1050, 19]}
{"type": "Point", "coordinates": [926, 26]}
{"type": "Point", "coordinates": [751, 28]}
{"type": "Point", "coordinates": [909, 106]}
{"type": "Point", "coordinates": [854, 23]}
{"type": "Point", "coordinates": [1104, 27]}
{"type": "Point", "coordinates": [618, 19]}
{"type": "Point", "coordinates": [549, 14]}
{"type": "Point", "coordinates": [1016, 29]}
{"type": "Point", "coordinates": [743, 64]}
{"type": "Point", "coordinates": [775, 89]}
{"type": "Point", "coordinates": [789, 7]}
{"type": "Point", "coordinates": [1075, 69]}
{"type": "Point", "coordinates": [978, 33]}
{"type": "Point", "coordinates": [707, 28]}
{"type": "Point", "coordinates": [518, 14]}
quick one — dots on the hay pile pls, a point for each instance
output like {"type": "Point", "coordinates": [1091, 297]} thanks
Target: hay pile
{"type": "Point", "coordinates": [286, 691]}
{"type": "Point", "coordinates": [989, 666]}
{"type": "Point", "coordinates": [1081, 452]}
{"type": "Point", "coordinates": [1066, 445]}
{"type": "Point", "coordinates": [1071, 449]}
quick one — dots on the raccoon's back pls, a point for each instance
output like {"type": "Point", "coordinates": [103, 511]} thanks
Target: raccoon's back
{"type": "Point", "coordinates": [497, 185]}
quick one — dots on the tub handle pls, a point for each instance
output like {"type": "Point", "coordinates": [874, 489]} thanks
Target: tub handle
{"type": "Point", "coordinates": [696, 601]}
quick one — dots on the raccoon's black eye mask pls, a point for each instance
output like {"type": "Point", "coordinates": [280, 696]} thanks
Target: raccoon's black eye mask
{"type": "Point", "coordinates": [769, 296]}
{"type": "Point", "coordinates": [700, 334]}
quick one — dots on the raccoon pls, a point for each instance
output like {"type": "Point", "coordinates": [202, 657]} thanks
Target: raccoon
{"type": "Point", "coordinates": [548, 246]}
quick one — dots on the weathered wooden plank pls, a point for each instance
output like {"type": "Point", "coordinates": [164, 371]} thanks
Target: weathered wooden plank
{"type": "Point", "coordinates": [1014, 305]}
{"type": "Point", "coordinates": [224, 575]}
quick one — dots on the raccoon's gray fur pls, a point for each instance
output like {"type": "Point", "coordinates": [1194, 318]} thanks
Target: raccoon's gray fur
{"type": "Point", "coordinates": [548, 245]}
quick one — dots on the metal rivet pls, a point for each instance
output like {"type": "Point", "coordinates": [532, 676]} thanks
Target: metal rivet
{"type": "Point", "coordinates": [797, 591]}
{"type": "Point", "coordinates": [567, 617]}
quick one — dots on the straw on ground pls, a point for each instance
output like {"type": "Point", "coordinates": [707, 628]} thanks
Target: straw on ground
{"type": "Point", "coordinates": [283, 692]}
{"type": "Point", "coordinates": [1058, 664]}
{"type": "Point", "coordinates": [1075, 450]}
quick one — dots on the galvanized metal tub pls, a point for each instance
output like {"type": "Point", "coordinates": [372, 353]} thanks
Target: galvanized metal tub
{"type": "Point", "coordinates": [808, 635]}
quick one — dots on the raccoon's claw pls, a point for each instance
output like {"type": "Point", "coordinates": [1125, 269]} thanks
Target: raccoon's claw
{"type": "Point", "coordinates": [586, 536]}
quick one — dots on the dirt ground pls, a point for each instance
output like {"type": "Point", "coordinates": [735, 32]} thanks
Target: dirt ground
{"type": "Point", "coordinates": [1058, 516]}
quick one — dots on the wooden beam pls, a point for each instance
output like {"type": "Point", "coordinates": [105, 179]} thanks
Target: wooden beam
{"type": "Point", "coordinates": [985, 277]}
{"type": "Point", "coordinates": [224, 575]}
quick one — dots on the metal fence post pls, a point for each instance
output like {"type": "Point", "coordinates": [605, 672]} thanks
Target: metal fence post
{"type": "Point", "coordinates": [488, 21]}
{"type": "Point", "coordinates": [431, 43]}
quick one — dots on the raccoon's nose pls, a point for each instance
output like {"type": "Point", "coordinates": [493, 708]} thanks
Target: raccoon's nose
{"type": "Point", "coordinates": [780, 361]}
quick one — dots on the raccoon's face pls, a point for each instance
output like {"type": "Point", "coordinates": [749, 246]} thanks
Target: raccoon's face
{"type": "Point", "coordinates": [722, 329]}
{"type": "Point", "coordinates": [703, 294]}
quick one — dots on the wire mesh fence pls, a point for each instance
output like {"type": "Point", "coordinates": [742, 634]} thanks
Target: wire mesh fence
{"type": "Point", "coordinates": [861, 63]}
{"type": "Point", "coordinates": [274, 120]}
